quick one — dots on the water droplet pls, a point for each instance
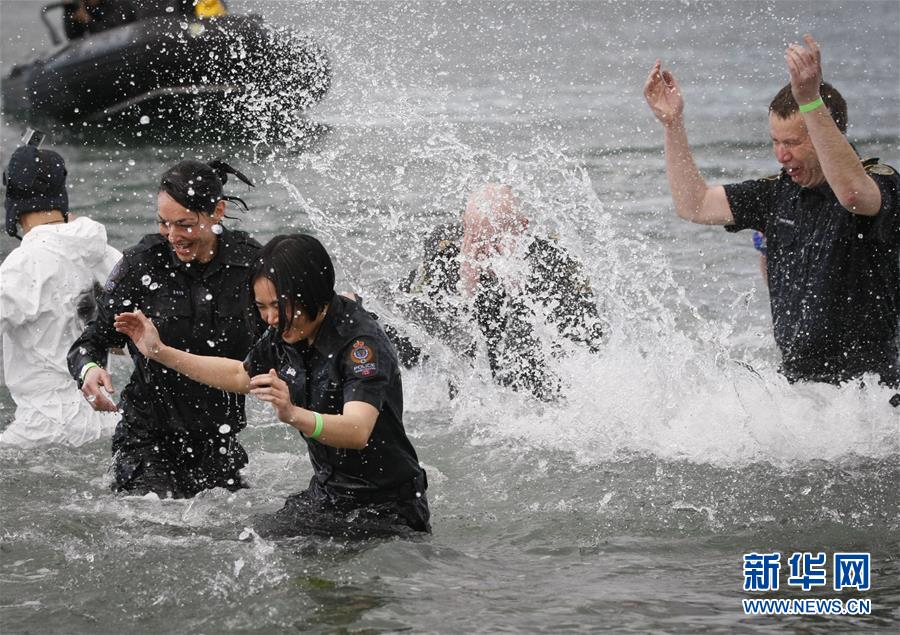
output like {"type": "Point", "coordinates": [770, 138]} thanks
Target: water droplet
{"type": "Point", "coordinates": [126, 302]}
{"type": "Point", "coordinates": [211, 343]}
{"type": "Point", "coordinates": [222, 450]}
{"type": "Point", "coordinates": [145, 120]}
{"type": "Point", "coordinates": [224, 428]}
{"type": "Point", "coordinates": [131, 162]}
{"type": "Point", "coordinates": [146, 280]}
{"type": "Point", "coordinates": [217, 229]}
{"type": "Point", "coordinates": [190, 450]}
{"type": "Point", "coordinates": [154, 286]}
{"type": "Point", "coordinates": [92, 398]}
{"type": "Point", "coordinates": [190, 191]}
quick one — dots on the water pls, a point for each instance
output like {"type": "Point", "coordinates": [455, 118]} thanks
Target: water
{"type": "Point", "coordinates": [625, 507]}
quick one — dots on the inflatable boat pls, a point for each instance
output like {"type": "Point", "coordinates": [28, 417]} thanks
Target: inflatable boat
{"type": "Point", "coordinates": [164, 66]}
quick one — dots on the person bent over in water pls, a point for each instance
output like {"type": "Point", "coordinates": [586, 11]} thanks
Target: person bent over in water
{"type": "Point", "coordinates": [460, 279]}
{"type": "Point", "coordinates": [176, 437]}
{"type": "Point", "coordinates": [46, 292]}
{"type": "Point", "coordinates": [328, 370]}
{"type": "Point", "coordinates": [831, 222]}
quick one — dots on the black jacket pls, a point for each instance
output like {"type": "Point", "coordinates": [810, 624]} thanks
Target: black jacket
{"type": "Point", "coordinates": [351, 360]}
{"type": "Point", "coordinates": [554, 280]}
{"type": "Point", "coordinates": [203, 309]}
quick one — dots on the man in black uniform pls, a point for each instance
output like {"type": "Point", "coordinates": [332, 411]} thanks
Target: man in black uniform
{"type": "Point", "coordinates": [831, 221]}
{"type": "Point", "coordinates": [93, 16]}
{"type": "Point", "coordinates": [176, 437]}
{"type": "Point", "coordinates": [457, 267]}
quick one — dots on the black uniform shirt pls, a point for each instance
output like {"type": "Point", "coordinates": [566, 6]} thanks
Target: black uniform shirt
{"type": "Point", "coordinates": [203, 309]}
{"type": "Point", "coordinates": [350, 360]}
{"type": "Point", "coordinates": [834, 276]}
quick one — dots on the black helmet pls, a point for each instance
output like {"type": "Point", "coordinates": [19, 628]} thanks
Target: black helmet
{"type": "Point", "coordinates": [35, 181]}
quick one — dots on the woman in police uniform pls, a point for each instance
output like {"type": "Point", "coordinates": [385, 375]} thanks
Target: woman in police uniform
{"type": "Point", "coordinates": [327, 368]}
{"type": "Point", "coordinates": [176, 437]}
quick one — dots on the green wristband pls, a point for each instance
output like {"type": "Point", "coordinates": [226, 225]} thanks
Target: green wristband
{"type": "Point", "coordinates": [86, 368]}
{"type": "Point", "coordinates": [811, 105]}
{"type": "Point", "coordinates": [320, 424]}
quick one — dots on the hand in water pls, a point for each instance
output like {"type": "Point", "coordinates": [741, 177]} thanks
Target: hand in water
{"type": "Point", "coordinates": [805, 68]}
{"type": "Point", "coordinates": [271, 388]}
{"type": "Point", "coordinates": [663, 95]}
{"type": "Point", "coordinates": [141, 330]}
{"type": "Point", "coordinates": [96, 388]}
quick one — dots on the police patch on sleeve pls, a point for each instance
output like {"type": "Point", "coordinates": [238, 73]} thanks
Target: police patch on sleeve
{"type": "Point", "coordinates": [115, 276]}
{"type": "Point", "coordinates": [363, 358]}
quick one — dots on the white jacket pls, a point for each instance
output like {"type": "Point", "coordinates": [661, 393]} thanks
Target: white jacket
{"type": "Point", "coordinates": [40, 282]}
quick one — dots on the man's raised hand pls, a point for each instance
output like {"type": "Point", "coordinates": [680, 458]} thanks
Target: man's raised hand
{"type": "Point", "coordinates": [663, 95]}
{"type": "Point", "coordinates": [805, 68]}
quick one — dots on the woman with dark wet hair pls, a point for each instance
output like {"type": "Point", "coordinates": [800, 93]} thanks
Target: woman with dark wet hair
{"type": "Point", "coordinates": [176, 437]}
{"type": "Point", "coordinates": [327, 368]}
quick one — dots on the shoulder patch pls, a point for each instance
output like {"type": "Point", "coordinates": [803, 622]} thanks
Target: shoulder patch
{"type": "Point", "coordinates": [115, 276]}
{"type": "Point", "coordinates": [363, 358]}
{"type": "Point", "coordinates": [880, 169]}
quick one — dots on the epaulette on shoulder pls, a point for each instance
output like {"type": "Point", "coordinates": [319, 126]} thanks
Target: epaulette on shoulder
{"type": "Point", "coordinates": [147, 243]}
{"type": "Point", "coordinates": [239, 237]}
{"type": "Point", "coordinates": [873, 166]}
{"type": "Point", "coordinates": [771, 177]}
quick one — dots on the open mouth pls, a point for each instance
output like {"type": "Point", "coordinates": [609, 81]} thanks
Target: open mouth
{"type": "Point", "coordinates": [182, 249]}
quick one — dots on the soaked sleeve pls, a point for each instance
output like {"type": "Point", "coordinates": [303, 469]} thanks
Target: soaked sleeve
{"type": "Point", "coordinates": [366, 369]}
{"type": "Point", "coordinates": [111, 257]}
{"type": "Point", "coordinates": [886, 225]}
{"type": "Point", "coordinates": [261, 358]}
{"type": "Point", "coordinates": [123, 289]}
{"type": "Point", "coordinates": [559, 282]}
{"type": "Point", "coordinates": [751, 203]}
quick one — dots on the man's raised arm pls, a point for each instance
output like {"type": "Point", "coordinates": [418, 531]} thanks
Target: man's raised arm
{"type": "Point", "coordinates": [855, 189]}
{"type": "Point", "coordinates": [694, 200]}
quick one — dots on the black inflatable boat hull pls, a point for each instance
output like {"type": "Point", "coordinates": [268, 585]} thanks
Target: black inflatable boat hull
{"type": "Point", "coordinates": [143, 66]}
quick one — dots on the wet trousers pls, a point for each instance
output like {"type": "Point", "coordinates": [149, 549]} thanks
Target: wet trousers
{"type": "Point", "coordinates": [316, 512]}
{"type": "Point", "coordinates": [175, 464]}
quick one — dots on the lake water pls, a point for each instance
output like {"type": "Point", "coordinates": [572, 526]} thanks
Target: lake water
{"type": "Point", "coordinates": [625, 507]}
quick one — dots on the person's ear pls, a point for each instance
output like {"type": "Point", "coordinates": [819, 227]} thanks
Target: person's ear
{"type": "Point", "coordinates": [219, 212]}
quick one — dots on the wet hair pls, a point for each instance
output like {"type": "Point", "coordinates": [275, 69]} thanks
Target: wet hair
{"type": "Point", "coordinates": [199, 186]}
{"type": "Point", "coordinates": [785, 106]}
{"type": "Point", "coordinates": [302, 273]}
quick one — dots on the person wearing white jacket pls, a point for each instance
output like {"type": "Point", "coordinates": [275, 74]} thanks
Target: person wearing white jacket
{"type": "Point", "coordinates": [43, 284]}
